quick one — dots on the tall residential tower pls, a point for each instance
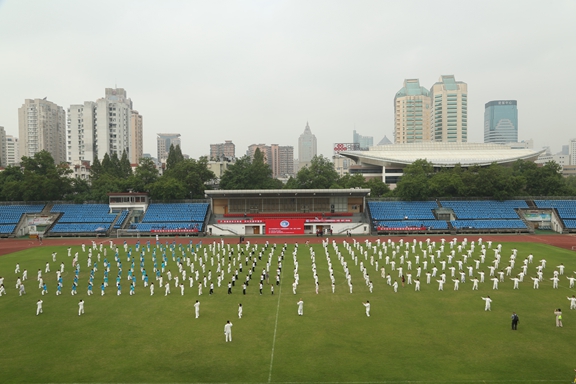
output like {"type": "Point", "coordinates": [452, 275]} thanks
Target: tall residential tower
{"type": "Point", "coordinates": [412, 107]}
{"type": "Point", "coordinates": [97, 128]}
{"type": "Point", "coordinates": [42, 126]}
{"type": "Point", "coordinates": [449, 118]}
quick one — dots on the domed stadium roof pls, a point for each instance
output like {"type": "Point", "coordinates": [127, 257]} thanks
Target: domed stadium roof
{"type": "Point", "coordinates": [442, 154]}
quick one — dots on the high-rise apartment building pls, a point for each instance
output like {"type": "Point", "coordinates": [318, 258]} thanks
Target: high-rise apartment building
{"type": "Point", "coordinates": [264, 149]}
{"type": "Point", "coordinates": [164, 141]}
{"type": "Point", "coordinates": [282, 160]}
{"type": "Point", "coordinates": [81, 133]}
{"type": "Point", "coordinates": [3, 160]}
{"type": "Point", "coordinates": [572, 151]}
{"type": "Point", "coordinates": [136, 137]}
{"type": "Point", "coordinates": [227, 150]}
{"type": "Point", "coordinates": [449, 120]}
{"type": "Point", "coordinates": [12, 151]}
{"type": "Point", "coordinates": [42, 126]}
{"type": "Point", "coordinates": [501, 122]}
{"type": "Point", "coordinates": [307, 147]}
{"type": "Point", "coordinates": [412, 108]}
{"type": "Point", "coordinates": [364, 141]}
{"type": "Point", "coordinates": [97, 128]}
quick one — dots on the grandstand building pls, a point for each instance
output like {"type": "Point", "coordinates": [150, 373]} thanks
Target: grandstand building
{"type": "Point", "coordinates": [286, 212]}
{"type": "Point", "coordinates": [389, 161]}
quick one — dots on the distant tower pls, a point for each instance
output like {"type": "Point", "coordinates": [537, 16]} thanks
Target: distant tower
{"type": "Point", "coordinates": [449, 118]}
{"type": "Point", "coordinates": [42, 126]}
{"type": "Point", "coordinates": [501, 122]}
{"type": "Point", "coordinates": [364, 141]}
{"type": "Point", "coordinates": [136, 137]}
{"type": "Point", "coordinates": [164, 141]}
{"type": "Point", "coordinates": [3, 157]}
{"type": "Point", "coordinates": [412, 107]}
{"type": "Point", "coordinates": [307, 147]}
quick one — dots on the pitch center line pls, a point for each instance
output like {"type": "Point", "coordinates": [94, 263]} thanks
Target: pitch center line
{"type": "Point", "coordinates": [276, 323]}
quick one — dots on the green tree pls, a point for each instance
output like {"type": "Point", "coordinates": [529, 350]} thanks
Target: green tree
{"type": "Point", "coordinates": [499, 182]}
{"type": "Point", "coordinates": [175, 156]}
{"type": "Point", "coordinates": [320, 174]}
{"type": "Point", "coordinates": [248, 173]}
{"type": "Point", "coordinates": [145, 174]}
{"type": "Point", "coordinates": [446, 183]}
{"type": "Point", "coordinates": [193, 174]}
{"type": "Point", "coordinates": [414, 183]}
{"type": "Point", "coordinates": [125, 166]}
{"type": "Point", "coordinates": [10, 183]}
{"type": "Point", "coordinates": [378, 188]}
{"type": "Point", "coordinates": [43, 180]}
{"type": "Point", "coordinates": [352, 181]}
{"type": "Point", "coordinates": [168, 188]}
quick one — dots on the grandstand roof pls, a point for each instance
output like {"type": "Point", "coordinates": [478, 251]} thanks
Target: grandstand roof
{"type": "Point", "coordinates": [287, 192]}
{"type": "Point", "coordinates": [442, 154]}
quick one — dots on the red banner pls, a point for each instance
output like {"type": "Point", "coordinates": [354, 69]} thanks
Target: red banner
{"type": "Point", "coordinates": [328, 220]}
{"type": "Point", "coordinates": [284, 226]}
{"type": "Point", "coordinates": [175, 230]}
{"type": "Point", "coordinates": [402, 228]}
{"type": "Point", "coordinates": [240, 221]}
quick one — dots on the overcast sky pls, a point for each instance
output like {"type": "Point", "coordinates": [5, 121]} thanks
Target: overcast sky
{"type": "Point", "coordinates": [257, 71]}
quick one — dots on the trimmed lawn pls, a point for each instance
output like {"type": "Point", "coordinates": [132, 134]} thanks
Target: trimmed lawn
{"type": "Point", "coordinates": [428, 336]}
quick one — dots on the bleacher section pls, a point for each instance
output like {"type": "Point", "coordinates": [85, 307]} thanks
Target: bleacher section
{"type": "Point", "coordinates": [10, 216]}
{"type": "Point", "coordinates": [566, 210]}
{"type": "Point", "coordinates": [173, 218]}
{"type": "Point", "coordinates": [82, 218]}
{"type": "Point", "coordinates": [485, 209]}
{"type": "Point", "coordinates": [121, 219]}
{"type": "Point", "coordinates": [398, 210]}
{"type": "Point", "coordinates": [489, 224]}
{"type": "Point", "coordinates": [427, 224]}
{"type": "Point", "coordinates": [400, 215]}
{"type": "Point", "coordinates": [486, 214]}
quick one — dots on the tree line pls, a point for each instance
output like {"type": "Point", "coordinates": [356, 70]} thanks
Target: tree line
{"type": "Point", "coordinates": [38, 178]}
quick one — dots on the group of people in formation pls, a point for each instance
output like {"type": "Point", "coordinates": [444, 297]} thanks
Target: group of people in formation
{"type": "Point", "coordinates": [442, 261]}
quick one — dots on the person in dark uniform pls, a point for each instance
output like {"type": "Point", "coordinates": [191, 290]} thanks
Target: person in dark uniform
{"type": "Point", "coordinates": [515, 320]}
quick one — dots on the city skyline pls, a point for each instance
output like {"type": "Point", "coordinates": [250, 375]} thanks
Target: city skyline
{"type": "Point", "coordinates": [257, 71]}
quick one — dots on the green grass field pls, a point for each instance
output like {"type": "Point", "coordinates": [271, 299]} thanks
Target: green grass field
{"type": "Point", "coordinates": [425, 337]}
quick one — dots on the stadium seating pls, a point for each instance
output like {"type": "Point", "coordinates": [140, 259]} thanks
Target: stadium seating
{"type": "Point", "coordinates": [121, 219]}
{"type": "Point", "coordinates": [178, 216]}
{"type": "Point", "coordinates": [488, 224]}
{"type": "Point", "coordinates": [566, 210]}
{"type": "Point", "coordinates": [485, 209]}
{"type": "Point", "coordinates": [10, 215]}
{"type": "Point", "coordinates": [82, 218]}
{"type": "Point", "coordinates": [432, 224]}
{"type": "Point", "coordinates": [398, 210]}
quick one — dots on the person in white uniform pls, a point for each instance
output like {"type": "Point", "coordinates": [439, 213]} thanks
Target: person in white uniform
{"type": "Point", "coordinates": [300, 307]}
{"type": "Point", "coordinates": [228, 331]}
{"type": "Point", "coordinates": [367, 305]}
{"type": "Point", "coordinates": [80, 307]}
{"type": "Point", "coordinates": [488, 300]}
